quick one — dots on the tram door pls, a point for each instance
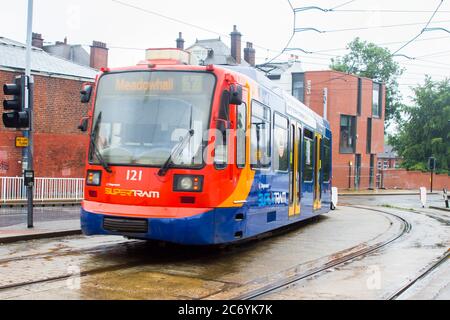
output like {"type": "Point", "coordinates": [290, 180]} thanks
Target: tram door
{"type": "Point", "coordinates": [317, 172]}
{"type": "Point", "coordinates": [294, 169]}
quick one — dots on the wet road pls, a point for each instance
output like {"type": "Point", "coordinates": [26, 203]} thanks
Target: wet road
{"type": "Point", "coordinates": [115, 268]}
{"type": "Point", "coordinates": [139, 270]}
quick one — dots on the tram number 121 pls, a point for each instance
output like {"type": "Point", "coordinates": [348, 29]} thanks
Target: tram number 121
{"type": "Point", "coordinates": [134, 175]}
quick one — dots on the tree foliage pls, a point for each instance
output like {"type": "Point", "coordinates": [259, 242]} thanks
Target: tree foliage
{"type": "Point", "coordinates": [371, 61]}
{"type": "Point", "coordinates": [425, 131]}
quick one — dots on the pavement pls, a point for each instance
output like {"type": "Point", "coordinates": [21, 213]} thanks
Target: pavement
{"type": "Point", "coordinates": [49, 222]}
{"type": "Point", "coordinates": [41, 230]}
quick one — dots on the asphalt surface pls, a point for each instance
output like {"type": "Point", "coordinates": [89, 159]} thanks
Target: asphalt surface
{"type": "Point", "coordinates": [129, 269]}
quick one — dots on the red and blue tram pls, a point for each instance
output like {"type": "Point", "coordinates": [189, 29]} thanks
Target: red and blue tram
{"type": "Point", "coordinates": [200, 155]}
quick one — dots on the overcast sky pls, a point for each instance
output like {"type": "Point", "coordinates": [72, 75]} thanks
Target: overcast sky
{"type": "Point", "coordinates": [266, 23]}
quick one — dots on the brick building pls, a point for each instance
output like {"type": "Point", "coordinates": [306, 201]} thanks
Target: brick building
{"type": "Point", "coordinates": [389, 159]}
{"type": "Point", "coordinates": [59, 147]}
{"type": "Point", "coordinates": [355, 108]}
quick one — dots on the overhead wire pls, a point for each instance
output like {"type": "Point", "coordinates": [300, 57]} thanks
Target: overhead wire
{"type": "Point", "coordinates": [315, 55]}
{"type": "Point", "coordinates": [421, 32]}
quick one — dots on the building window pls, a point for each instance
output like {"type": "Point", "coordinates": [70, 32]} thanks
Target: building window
{"type": "Point", "coordinates": [260, 136]}
{"type": "Point", "coordinates": [274, 76]}
{"type": "Point", "coordinates": [386, 165]}
{"type": "Point", "coordinates": [359, 102]}
{"type": "Point", "coordinates": [280, 143]}
{"type": "Point", "coordinates": [380, 164]}
{"type": "Point", "coordinates": [298, 86]}
{"type": "Point", "coordinates": [377, 100]}
{"type": "Point", "coordinates": [347, 141]}
{"type": "Point", "coordinates": [369, 136]}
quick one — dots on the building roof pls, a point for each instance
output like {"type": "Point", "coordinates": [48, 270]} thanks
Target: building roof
{"type": "Point", "coordinates": [389, 153]}
{"type": "Point", "coordinates": [218, 52]}
{"type": "Point", "coordinates": [12, 57]}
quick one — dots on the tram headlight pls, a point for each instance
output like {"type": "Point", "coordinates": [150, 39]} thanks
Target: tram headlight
{"type": "Point", "coordinates": [93, 178]}
{"type": "Point", "coordinates": [188, 183]}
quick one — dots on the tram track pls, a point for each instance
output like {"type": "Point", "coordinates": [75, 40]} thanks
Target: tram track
{"type": "Point", "coordinates": [92, 271]}
{"type": "Point", "coordinates": [336, 260]}
{"type": "Point", "coordinates": [68, 252]}
{"type": "Point", "coordinates": [261, 287]}
{"type": "Point", "coordinates": [131, 264]}
{"type": "Point", "coordinates": [421, 276]}
{"type": "Point", "coordinates": [287, 281]}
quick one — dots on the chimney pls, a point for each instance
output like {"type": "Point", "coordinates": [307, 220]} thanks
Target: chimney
{"type": "Point", "coordinates": [99, 55]}
{"type": "Point", "coordinates": [249, 54]}
{"type": "Point", "coordinates": [180, 42]}
{"type": "Point", "coordinates": [236, 45]}
{"type": "Point", "coordinates": [37, 40]}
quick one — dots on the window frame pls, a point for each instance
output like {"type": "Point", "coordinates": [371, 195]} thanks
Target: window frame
{"type": "Point", "coordinates": [274, 125]}
{"type": "Point", "coordinates": [304, 139]}
{"type": "Point", "coordinates": [223, 166]}
{"type": "Point", "coordinates": [326, 143]}
{"type": "Point", "coordinates": [359, 99]}
{"type": "Point", "coordinates": [238, 165]}
{"type": "Point", "coordinates": [369, 136]}
{"type": "Point", "coordinates": [353, 133]}
{"type": "Point", "coordinates": [255, 167]}
{"type": "Point", "coordinates": [302, 75]}
{"type": "Point", "coordinates": [379, 100]}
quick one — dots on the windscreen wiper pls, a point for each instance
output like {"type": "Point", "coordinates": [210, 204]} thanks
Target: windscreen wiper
{"type": "Point", "coordinates": [176, 152]}
{"type": "Point", "coordinates": [94, 145]}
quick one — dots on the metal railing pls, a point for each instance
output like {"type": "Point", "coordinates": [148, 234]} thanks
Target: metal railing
{"type": "Point", "coordinates": [46, 189]}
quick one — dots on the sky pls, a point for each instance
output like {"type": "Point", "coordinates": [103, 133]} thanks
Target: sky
{"type": "Point", "coordinates": [130, 26]}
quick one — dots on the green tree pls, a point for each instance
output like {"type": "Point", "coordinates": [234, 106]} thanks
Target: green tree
{"type": "Point", "coordinates": [371, 61]}
{"type": "Point", "coordinates": [425, 129]}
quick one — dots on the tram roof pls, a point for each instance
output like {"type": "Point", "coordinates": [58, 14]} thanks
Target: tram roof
{"type": "Point", "coordinates": [261, 79]}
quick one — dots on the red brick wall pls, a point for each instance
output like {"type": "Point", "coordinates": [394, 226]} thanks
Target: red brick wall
{"type": "Point", "coordinates": [59, 147]}
{"type": "Point", "coordinates": [342, 100]}
{"type": "Point", "coordinates": [402, 179]}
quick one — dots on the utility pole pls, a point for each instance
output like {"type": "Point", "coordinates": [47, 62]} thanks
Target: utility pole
{"type": "Point", "coordinates": [28, 152]}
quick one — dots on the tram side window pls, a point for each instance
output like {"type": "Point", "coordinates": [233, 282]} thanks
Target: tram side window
{"type": "Point", "coordinates": [308, 156]}
{"type": "Point", "coordinates": [280, 144]}
{"type": "Point", "coordinates": [260, 136]}
{"type": "Point", "coordinates": [241, 127]}
{"type": "Point", "coordinates": [326, 160]}
{"type": "Point", "coordinates": [221, 152]}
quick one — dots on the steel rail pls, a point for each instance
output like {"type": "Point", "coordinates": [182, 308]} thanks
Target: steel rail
{"type": "Point", "coordinates": [279, 284]}
{"type": "Point", "coordinates": [421, 276]}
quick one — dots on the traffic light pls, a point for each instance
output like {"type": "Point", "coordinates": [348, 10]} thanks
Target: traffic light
{"type": "Point", "coordinates": [18, 117]}
{"type": "Point", "coordinates": [432, 163]}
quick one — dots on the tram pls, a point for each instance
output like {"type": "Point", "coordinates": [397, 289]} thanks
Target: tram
{"type": "Point", "coordinates": [200, 155]}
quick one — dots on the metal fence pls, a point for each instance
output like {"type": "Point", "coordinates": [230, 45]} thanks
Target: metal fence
{"type": "Point", "coordinates": [46, 189]}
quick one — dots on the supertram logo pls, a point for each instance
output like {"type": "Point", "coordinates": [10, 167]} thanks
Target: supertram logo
{"type": "Point", "coordinates": [132, 193]}
{"type": "Point", "coordinates": [272, 198]}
